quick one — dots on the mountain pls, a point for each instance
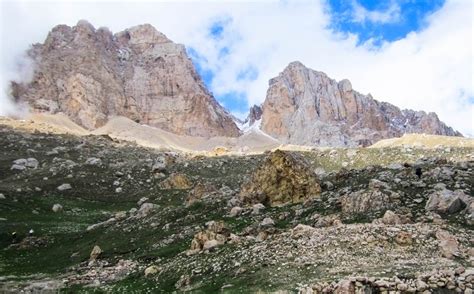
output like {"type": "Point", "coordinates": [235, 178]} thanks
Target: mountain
{"type": "Point", "coordinates": [255, 114]}
{"type": "Point", "coordinates": [91, 75]}
{"type": "Point", "coordinates": [307, 107]}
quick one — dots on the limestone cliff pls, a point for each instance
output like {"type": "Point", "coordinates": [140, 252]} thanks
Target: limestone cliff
{"type": "Point", "coordinates": [91, 75]}
{"type": "Point", "coordinates": [304, 106]}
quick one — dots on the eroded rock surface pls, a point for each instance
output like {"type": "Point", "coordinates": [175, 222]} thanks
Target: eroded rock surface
{"type": "Point", "coordinates": [307, 107]}
{"type": "Point", "coordinates": [91, 75]}
{"type": "Point", "coordinates": [282, 178]}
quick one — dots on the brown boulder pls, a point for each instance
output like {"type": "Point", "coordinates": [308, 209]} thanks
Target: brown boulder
{"type": "Point", "coordinates": [216, 234]}
{"type": "Point", "coordinates": [282, 178]}
{"type": "Point", "coordinates": [95, 253]}
{"type": "Point", "coordinates": [199, 192]}
{"type": "Point", "coordinates": [176, 181]}
{"type": "Point", "coordinates": [448, 244]}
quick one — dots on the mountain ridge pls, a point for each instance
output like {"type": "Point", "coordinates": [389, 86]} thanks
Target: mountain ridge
{"type": "Point", "coordinates": [306, 107]}
{"type": "Point", "coordinates": [92, 75]}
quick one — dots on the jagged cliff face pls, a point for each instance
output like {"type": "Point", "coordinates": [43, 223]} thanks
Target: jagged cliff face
{"type": "Point", "coordinates": [91, 75]}
{"type": "Point", "coordinates": [304, 106]}
{"type": "Point", "coordinates": [255, 113]}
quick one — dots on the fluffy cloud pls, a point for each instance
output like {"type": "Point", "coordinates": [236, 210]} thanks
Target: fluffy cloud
{"type": "Point", "coordinates": [361, 14]}
{"type": "Point", "coordinates": [430, 69]}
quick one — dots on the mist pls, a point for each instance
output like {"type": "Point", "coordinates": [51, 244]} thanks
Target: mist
{"type": "Point", "coordinates": [22, 71]}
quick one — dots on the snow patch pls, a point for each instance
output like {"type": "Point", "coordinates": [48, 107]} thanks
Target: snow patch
{"type": "Point", "coordinates": [255, 128]}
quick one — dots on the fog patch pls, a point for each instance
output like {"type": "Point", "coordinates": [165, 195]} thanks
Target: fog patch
{"type": "Point", "coordinates": [21, 71]}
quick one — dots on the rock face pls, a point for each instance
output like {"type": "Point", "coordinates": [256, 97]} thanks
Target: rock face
{"type": "Point", "coordinates": [282, 178]}
{"type": "Point", "coordinates": [216, 234]}
{"type": "Point", "coordinates": [176, 181]}
{"type": "Point", "coordinates": [447, 201]}
{"type": "Point", "coordinates": [376, 197]}
{"type": "Point", "coordinates": [200, 191]}
{"type": "Point", "coordinates": [255, 113]}
{"type": "Point", "coordinates": [304, 106]}
{"type": "Point", "coordinates": [448, 244]}
{"type": "Point", "coordinates": [92, 75]}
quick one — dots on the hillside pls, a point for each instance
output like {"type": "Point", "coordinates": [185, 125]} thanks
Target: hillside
{"type": "Point", "coordinates": [94, 214]}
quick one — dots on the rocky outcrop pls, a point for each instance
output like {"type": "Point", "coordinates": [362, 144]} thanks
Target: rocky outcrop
{"type": "Point", "coordinates": [91, 75]}
{"type": "Point", "coordinates": [376, 197]}
{"type": "Point", "coordinates": [448, 244]}
{"type": "Point", "coordinates": [282, 178]}
{"type": "Point", "coordinates": [447, 202]}
{"type": "Point", "coordinates": [255, 113]}
{"type": "Point", "coordinates": [176, 181]}
{"type": "Point", "coordinates": [199, 192]}
{"type": "Point", "coordinates": [215, 235]}
{"type": "Point", "coordinates": [304, 106]}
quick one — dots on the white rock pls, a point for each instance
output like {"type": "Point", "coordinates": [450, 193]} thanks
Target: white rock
{"type": "Point", "coordinates": [257, 207]}
{"type": "Point", "coordinates": [142, 200]}
{"type": "Point", "coordinates": [267, 222]}
{"type": "Point", "coordinates": [64, 187]}
{"type": "Point", "coordinates": [211, 244]}
{"type": "Point", "coordinates": [151, 270]}
{"type": "Point", "coordinates": [93, 161]}
{"type": "Point", "coordinates": [145, 209]}
{"type": "Point", "coordinates": [32, 163]}
{"type": "Point", "coordinates": [57, 207]}
{"type": "Point", "coordinates": [18, 167]}
{"type": "Point", "coordinates": [235, 211]}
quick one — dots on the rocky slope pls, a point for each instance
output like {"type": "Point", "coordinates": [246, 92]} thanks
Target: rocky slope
{"type": "Point", "coordinates": [92, 214]}
{"type": "Point", "coordinates": [307, 107]}
{"type": "Point", "coordinates": [91, 74]}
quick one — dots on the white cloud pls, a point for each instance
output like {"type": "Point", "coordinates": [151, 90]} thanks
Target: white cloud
{"type": "Point", "coordinates": [361, 14]}
{"type": "Point", "coordinates": [429, 70]}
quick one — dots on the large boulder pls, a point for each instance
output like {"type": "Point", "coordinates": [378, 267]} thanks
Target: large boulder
{"type": "Point", "coordinates": [368, 200]}
{"type": "Point", "coordinates": [200, 191]}
{"type": "Point", "coordinates": [391, 218]}
{"type": "Point", "coordinates": [95, 253]}
{"type": "Point", "coordinates": [448, 244]}
{"type": "Point", "coordinates": [446, 201]}
{"type": "Point", "coordinates": [216, 234]}
{"type": "Point", "coordinates": [22, 164]}
{"type": "Point", "coordinates": [152, 270]}
{"type": "Point", "coordinates": [176, 181]}
{"type": "Point", "coordinates": [64, 187]}
{"type": "Point", "coordinates": [302, 230]}
{"type": "Point", "coordinates": [145, 209]}
{"type": "Point", "coordinates": [282, 178]}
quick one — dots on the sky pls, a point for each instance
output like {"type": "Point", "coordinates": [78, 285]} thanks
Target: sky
{"type": "Point", "coordinates": [416, 54]}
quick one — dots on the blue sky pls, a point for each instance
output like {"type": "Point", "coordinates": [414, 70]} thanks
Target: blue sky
{"type": "Point", "coordinates": [395, 18]}
{"type": "Point", "coordinates": [234, 101]}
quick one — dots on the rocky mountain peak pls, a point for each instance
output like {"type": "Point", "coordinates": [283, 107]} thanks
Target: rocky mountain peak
{"type": "Point", "coordinates": [145, 34]}
{"type": "Point", "coordinates": [345, 86]}
{"type": "Point", "coordinates": [307, 107]}
{"type": "Point", "coordinates": [92, 75]}
{"type": "Point", "coordinates": [255, 113]}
